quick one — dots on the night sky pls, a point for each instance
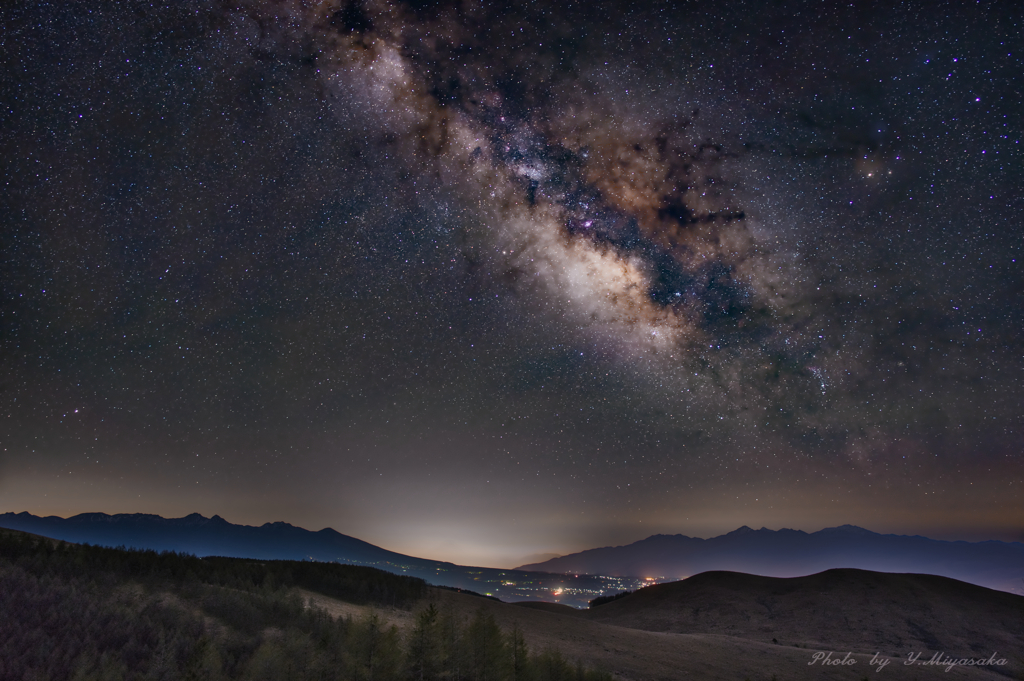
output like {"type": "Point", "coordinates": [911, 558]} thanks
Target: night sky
{"type": "Point", "coordinates": [478, 283]}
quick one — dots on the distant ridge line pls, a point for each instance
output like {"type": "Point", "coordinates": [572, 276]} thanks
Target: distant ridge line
{"type": "Point", "coordinates": [201, 536]}
{"type": "Point", "coordinates": [791, 553]}
{"type": "Point", "coordinates": [770, 553]}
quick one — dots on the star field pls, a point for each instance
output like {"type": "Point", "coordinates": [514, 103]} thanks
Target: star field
{"type": "Point", "coordinates": [474, 282]}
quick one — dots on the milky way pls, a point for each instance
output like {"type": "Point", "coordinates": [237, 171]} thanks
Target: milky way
{"type": "Point", "coordinates": [538, 271]}
{"type": "Point", "coordinates": [622, 227]}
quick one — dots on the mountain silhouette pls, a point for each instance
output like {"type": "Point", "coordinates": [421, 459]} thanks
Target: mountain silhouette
{"type": "Point", "coordinates": [792, 553]}
{"type": "Point", "coordinates": [201, 536]}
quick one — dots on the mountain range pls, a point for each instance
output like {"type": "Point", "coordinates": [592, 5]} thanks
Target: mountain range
{"type": "Point", "coordinates": [201, 536]}
{"type": "Point", "coordinates": [574, 579]}
{"type": "Point", "coordinates": [791, 553]}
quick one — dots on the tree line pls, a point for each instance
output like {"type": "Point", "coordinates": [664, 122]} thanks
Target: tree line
{"type": "Point", "coordinates": [86, 613]}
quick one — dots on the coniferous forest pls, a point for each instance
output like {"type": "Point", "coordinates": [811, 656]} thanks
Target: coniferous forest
{"type": "Point", "coordinates": [70, 611]}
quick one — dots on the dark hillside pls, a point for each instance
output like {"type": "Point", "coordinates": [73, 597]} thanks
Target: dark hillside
{"type": "Point", "coordinates": [556, 608]}
{"type": "Point", "coordinates": [837, 609]}
{"type": "Point", "coordinates": [70, 611]}
{"type": "Point", "coordinates": [356, 584]}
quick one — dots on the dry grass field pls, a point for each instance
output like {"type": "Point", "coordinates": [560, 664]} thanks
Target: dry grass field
{"type": "Point", "coordinates": [850, 609]}
{"type": "Point", "coordinates": [722, 625]}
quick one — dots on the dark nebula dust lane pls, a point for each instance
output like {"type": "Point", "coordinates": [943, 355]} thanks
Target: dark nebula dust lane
{"type": "Point", "coordinates": [476, 281]}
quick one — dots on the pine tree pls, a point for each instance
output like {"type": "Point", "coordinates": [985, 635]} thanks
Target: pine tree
{"type": "Point", "coordinates": [205, 663]}
{"type": "Point", "coordinates": [375, 649]}
{"type": "Point", "coordinates": [452, 646]}
{"type": "Point", "coordinates": [487, 661]}
{"type": "Point", "coordinates": [518, 655]}
{"type": "Point", "coordinates": [424, 660]}
{"type": "Point", "coordinates": [551, 666]}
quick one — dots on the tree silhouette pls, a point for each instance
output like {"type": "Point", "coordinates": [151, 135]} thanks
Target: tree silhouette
{"type": "Point", "coordinates": [486, 648]}
{"type": "Point", "coordinates": [424, 657]}
{"type": "Point", "coordinates": [518, 655]}
{"type": "Point", "coordinates": [375, 650]}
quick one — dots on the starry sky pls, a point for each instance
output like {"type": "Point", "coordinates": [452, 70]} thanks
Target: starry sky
{"type": "Point", "coordinates": [487, 283]}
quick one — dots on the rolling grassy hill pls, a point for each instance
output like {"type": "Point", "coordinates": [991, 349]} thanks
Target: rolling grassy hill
{"type": "Point", "coordinates": [844, 609]}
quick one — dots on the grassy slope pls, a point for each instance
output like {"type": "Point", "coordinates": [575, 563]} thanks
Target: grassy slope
{"type": "Point", "coordinates": [639, 655]}
{"type": "Point", "coordinates": [848, 609]}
